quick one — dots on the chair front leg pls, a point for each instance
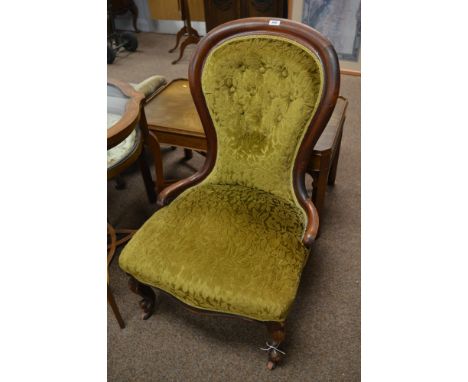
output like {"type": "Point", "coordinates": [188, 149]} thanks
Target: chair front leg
{"type": "Point", "coordinates": [149, 298]}
{"type": "Point", "coordinates": [277, 333]}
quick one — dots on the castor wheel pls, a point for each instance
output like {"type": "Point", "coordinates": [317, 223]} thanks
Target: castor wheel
{"type": "Point", "coordinates": [274, 358]}
{"type": "Point", "coordinates": [110, 55]}
{"type": "Point", "coordinates": [130, 42]}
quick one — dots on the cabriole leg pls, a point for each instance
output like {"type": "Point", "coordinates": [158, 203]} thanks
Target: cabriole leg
{"type": "Point", "coordinates": [149, 298]}
{"type": "Point", "coordinates": [277, 333]}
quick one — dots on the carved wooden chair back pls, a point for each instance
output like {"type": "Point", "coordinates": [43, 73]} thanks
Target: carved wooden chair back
{"type": "Point", "coordinates": [265, 90]}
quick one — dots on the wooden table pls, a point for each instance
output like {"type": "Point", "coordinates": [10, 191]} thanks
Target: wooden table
{"type": "Point", "coordinates": [192, 35]}
{"type": "Point", "coordinates": [124, 115]}
{"type": "Point", "coordinates": [172, 116]}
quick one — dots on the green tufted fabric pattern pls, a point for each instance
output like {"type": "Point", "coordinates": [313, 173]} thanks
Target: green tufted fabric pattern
{"type": "Point", "coordinates": [233, 244]}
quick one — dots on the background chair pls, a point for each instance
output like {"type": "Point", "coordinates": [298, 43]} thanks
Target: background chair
{"type": "Point", "coordinates": [234, 237]}
{"type": "Point", "coordinates": [126, 151]}
{"type": "Point", "coordinates": [132, 148]}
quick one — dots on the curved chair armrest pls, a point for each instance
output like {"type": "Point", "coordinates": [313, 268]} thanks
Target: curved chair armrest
{"type": "Point", "coordinates": [171, 192]}
{"type": "Point", "coordinates": [150, 86]}
{"type": "Point", "coordinates": [312, 224]}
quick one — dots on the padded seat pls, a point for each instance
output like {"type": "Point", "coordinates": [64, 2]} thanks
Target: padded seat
{"type": "Point", "coordinates": [224, 248]}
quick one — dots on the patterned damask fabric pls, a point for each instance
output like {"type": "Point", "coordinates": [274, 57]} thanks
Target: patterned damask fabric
{"type": "Point", "coordinates": [223, 248]}
{"type": "Point", "coordinates": [262, 93]}
{"type": "Point", "coordinates": [233, 244]}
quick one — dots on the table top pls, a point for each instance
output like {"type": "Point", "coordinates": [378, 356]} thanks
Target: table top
{"type": "Point", "coordinates": [173, 111]}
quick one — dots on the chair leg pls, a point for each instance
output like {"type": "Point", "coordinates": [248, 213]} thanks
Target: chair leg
{"type": "Point", "coordinates": [277, 333]}
{"type": "Point", "coordinates": [334, 166]}
{"type": "Point", "coordinates": [180, 33]}
{"type": "Point", "coordinates": [149, 298]}
{"type": "Point", "coordinates": [146, 174]}
{"type": "Point", "coordinates": [188, 154]}
{"type": "Point", "coordinates": [115, 309]}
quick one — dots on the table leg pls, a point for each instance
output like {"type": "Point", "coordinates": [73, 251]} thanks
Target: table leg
{"type": "Point", "coordinates": [320, 181]}
{"type": "Point", "coordinates": [192, 39]}
{"type": "Point", "coordinates": [188, 154]}
{"type": "Point", "coordinates": [179, 35]}
{"type": "Point", "coordinates": [146, 174]}
{"type": "Point", "coordinates": [334, 166]}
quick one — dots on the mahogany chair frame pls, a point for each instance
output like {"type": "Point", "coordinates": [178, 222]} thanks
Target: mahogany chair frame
{"type": "Point", "coordinates": [323, 49]}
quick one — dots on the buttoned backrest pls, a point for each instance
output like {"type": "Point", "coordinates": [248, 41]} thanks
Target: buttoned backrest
{"type": "Point", "coordinates": [262, 92]}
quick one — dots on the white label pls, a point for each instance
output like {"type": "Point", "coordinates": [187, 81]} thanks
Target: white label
{"type": "Point", "coordinates": [274, 22]}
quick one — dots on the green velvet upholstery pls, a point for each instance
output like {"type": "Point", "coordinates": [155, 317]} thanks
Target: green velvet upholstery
{"type": "Point", "coordinates": [233, 243]}
{"type": "Point", "coordinates": [262, 93]}
{"type": "Point", "coordinates": [223, 248]}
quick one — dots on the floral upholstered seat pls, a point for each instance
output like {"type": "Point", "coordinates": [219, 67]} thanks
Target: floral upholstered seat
{"type": "Point", "coordinates": [235, 245]}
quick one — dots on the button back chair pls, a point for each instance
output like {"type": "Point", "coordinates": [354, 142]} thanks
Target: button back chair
{"type": "Point", "coordinates": [234, 237]}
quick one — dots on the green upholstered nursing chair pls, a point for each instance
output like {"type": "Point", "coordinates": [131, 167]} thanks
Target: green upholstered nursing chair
{"type": "Point", "coordinates": [234, 237]}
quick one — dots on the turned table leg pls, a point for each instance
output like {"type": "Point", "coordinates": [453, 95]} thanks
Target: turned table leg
{"type": "Point", "coordinates": [320, 178]}
{"type": "Point", "coordinates": [334, 166]}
